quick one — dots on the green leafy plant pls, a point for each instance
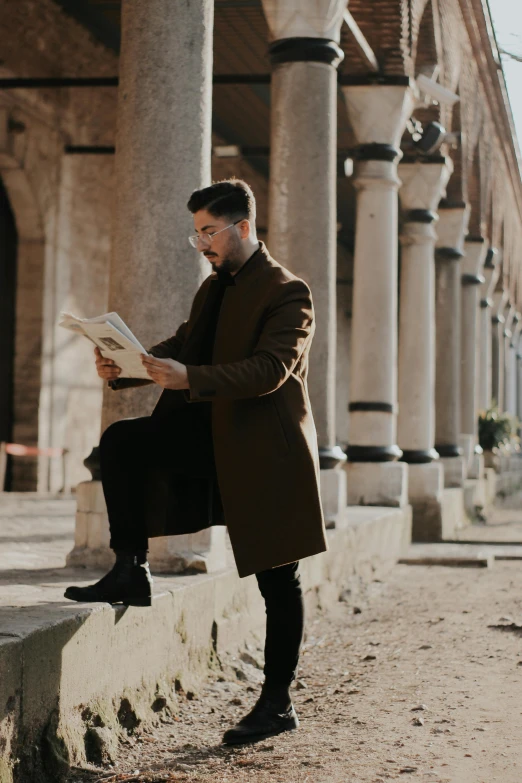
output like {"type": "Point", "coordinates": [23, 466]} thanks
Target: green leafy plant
{"type": "Point", "coordinates": [495, 428]}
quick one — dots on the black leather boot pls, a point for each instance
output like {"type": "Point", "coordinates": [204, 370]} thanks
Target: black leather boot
{"type": "Point", "coordinates": [271, 715]}
{"type": "Point", "coordinates": [129, 582]}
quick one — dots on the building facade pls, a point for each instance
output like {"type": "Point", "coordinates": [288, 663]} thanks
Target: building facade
{"type": "Point", "coordinates": [408, 232]}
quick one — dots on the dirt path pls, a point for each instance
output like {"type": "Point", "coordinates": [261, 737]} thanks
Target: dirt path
{"type": "Point", "coordinates": [422, 640]}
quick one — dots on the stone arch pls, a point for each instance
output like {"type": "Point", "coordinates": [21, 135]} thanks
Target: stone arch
{"type": "Point", "coordinates": [28, 318]}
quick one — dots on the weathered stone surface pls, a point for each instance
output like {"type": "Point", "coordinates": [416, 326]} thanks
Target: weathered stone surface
{"type": "Point", "coordinates": [333, 495]}
{"type": "Point", "coordinates": [163, 154]}
{"type": "Point", "coordinates": [78, 673]}
{"type": "Point", "coordinates": [377, 483]}
{"type": "Point", "coordinates": [10, 703]}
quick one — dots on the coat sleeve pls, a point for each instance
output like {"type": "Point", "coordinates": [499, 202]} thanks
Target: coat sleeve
{"type": "Point", "coordinates": [288, 326]}
{"type": "Point", "coordinates": [167, 349]}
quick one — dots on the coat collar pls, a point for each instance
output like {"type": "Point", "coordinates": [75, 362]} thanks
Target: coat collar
{"type": "Point", "coordinates": [257, 261]}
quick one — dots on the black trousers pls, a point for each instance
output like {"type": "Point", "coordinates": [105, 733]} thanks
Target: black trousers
{"type": "Point", "coordinates": [184, 443]}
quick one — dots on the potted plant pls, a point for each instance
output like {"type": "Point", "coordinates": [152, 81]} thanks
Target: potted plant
{"type": "Point", "coordinates": [496, 432]}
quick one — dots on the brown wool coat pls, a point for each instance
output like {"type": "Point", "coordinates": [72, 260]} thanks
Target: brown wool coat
{"type": "Point", "coordinates": [264, 437]}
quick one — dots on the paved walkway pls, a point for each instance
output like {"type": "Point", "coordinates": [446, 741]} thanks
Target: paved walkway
{"type": "Point", "coordinates": [423, 683]}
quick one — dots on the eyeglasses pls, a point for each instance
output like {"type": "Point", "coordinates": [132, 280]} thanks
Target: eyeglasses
{"type": "Point", "coordinates": [206, 239]}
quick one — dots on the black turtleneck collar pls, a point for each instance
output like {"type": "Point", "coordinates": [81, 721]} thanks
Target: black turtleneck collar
{"type": "Point", "coordinates": [224, 276]}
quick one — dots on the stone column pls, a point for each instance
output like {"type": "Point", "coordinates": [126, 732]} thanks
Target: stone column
{"type": "Point", "coordinates": [163, 149]}
{"type": "Point", "coordinates": [378, 114]}
{"type": "Point", "coordinates": [497, 346]}
{"type": "Point", "coordinates": [490, 272]}
{"type": "Point", "coordinates": [451, 230]}
{"type": "Point", "coordinates": [509, 324]}
{"type": "Point", "coordinates": [423, 184]}
{"type": "Point", "coordinates": [302, 198]}
{"type": "Point", "coordinates": [511, 380]}
{"type": "Point", "coordinates": [519, 378]}
{"type": "Point", "coordinates": [471, 267]}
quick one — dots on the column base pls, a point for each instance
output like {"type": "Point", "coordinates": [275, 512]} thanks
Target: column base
{"type": "Point", "coordinates": [426, 481]}
{"type": "Point", "coordinates": [377, 483]}
{"type": "Point", "coordinates": [476, 467]}
{"type": "Point", "coordinates": [467, 444]}
{"type": "Point", "coordinates": [454, 472]}
{"type": "Point", "coordinates": [333, 496]}
{"type": "Point", "coordinates": [492, 460]}
{"type": "Point", "coordinates": [91, 534]}
{"type": "Point", "coordinates": [204, 552]}
{"type": "Point", "coordinates": [425, 490]}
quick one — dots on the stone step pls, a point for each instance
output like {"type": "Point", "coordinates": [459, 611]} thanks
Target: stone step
{"type": "Point", "coordinates": [60, 661]}
{"type": "Point", "coordinates": [461, 554]}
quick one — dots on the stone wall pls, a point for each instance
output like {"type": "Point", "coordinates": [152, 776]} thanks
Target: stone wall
{"type": "Point", "coordinates": [62, 207]}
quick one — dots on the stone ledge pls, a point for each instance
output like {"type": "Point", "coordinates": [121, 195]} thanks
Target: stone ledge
{"type": "Point", "coordinates": [60, 662]}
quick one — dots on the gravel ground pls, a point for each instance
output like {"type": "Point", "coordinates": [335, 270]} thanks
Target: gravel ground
{"type": "Point", "coordinates": [423, 683]}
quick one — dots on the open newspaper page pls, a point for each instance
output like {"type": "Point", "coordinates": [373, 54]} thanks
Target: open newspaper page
{"type": "Point", "coordinates": [114, 339]}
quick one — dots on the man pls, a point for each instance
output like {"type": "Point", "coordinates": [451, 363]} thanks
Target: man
{"type": "Point", "coordinates": [231, 440]}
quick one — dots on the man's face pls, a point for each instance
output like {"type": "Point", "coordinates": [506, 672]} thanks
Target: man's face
{"type": "Point", "coordinates": [224, 250]}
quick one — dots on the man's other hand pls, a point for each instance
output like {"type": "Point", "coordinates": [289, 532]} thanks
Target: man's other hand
{"type": "Point", "coordinates": [106, 368]}
{"type": "Point", "coordinates": [167, 373]}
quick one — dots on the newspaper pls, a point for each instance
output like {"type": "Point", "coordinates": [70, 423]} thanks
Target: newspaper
{"type": "Point", "coordinates": [114, 339]}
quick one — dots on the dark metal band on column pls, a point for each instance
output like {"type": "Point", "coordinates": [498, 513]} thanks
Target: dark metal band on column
{"type": "Point", "coordinates": [448, 450]}
{"type": "Point", "coordinates": [472, 279]}
{"type": "Point", "coordinates": [448, 254]}
{"type": "Point", "coordinates": [420, 216]}
{"type": "Point", "coordinates": [419, 456]}
{"type": "Point", "coordinates": [489, 263]}
{"type": "Point", "coordinates": [372, 453]}
{"type": "Point", "coordinates": [386, 152]}
{"type": "Point", "coordinates": [317, 50]}
{"type": "Point", "coordinates": [484, 303]}
{"type": "Point", "coordinates": [331, 457]}
{"type": "Point", "coordinates": [379, 407]}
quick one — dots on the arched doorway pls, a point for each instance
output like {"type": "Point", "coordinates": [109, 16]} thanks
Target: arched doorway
{"type": "Point", "coordinates": [8, 255]}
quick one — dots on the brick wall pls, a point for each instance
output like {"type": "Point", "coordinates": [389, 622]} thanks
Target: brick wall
{"type": "Point", "coordinates": [386, 25]}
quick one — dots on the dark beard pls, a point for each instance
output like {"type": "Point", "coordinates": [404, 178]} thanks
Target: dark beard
{"type": "Point", "coordinates": [226, 266]}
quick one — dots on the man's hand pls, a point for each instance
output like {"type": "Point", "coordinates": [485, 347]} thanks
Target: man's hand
{"type": "Point", "coordinates": [106, 368]}
{"type": "Point", "coordinates": [167, 373]}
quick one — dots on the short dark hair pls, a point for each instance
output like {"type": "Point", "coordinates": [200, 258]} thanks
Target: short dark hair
{"type": "Point", "coordinates": [230, 198]}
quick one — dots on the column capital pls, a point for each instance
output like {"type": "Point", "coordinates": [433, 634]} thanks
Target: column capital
{"type": "Point", "coordinates": [473, 261]}
{"type": "Point", "coordinates": [376, 175]}
{"type": "Point", "coordinates": [416, 232]}
{"type": "Point", "coordinates": [451, 230]}
{"type": "Point", "coordinates": [305, 18]}
{"type": "Point", "coordinates": [492, 258]}
{"type": "Point", "coordinates": [491, 271]}
{"type": "Point", "coordinates": [517, 330]}
{"type": "Point", "coordinates": [423, 184]}
{"type": "Point", "coordinates": [509, 315]}
{"type": "Point", "coordinates": [500, 297]}
{"type": "Point", "coordinates": [379, 112]}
